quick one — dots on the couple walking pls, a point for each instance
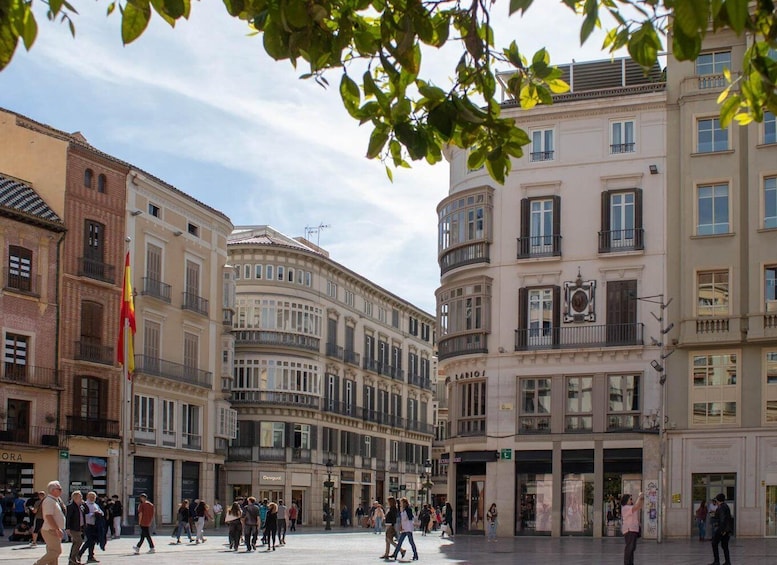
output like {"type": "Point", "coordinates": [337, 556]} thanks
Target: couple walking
{"type": "Point", "coordinates": [405, 517]}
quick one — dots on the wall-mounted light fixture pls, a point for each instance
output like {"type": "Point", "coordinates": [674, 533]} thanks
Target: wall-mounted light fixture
{"type": "Point", "coordinates": [657, 366]}
{"type": "Point", "coordinates": [176, 233]}
{"type": "Point", "coordinates": [653, 169]}
{"type": "Point", "coordinates": [136, 213]}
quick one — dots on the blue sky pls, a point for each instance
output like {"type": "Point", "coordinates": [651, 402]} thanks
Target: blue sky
{"type": "Point", "coordinates": [202, 107]}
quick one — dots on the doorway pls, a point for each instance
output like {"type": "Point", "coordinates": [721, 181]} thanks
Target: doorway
{"type": "Point", "coordinates": [771, 511]}
{"type": "Point", "coordinates": [705, 488]}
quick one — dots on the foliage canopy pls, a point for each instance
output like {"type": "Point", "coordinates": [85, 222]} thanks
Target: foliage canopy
{"type": "Point", "coordinates": [412, 118]}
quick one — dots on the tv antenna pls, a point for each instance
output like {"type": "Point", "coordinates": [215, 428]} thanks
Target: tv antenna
{"type": "Point", "coordinates": [310, 230]}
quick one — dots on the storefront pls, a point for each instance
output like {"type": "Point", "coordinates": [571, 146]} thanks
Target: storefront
{"type": "Point", "coordinates": [535, 492]}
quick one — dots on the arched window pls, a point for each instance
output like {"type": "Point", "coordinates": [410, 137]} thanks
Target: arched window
{"type": "Point", "coordinates": [88, 174]}
{"type": "Point", "coordinates": [101, 182]}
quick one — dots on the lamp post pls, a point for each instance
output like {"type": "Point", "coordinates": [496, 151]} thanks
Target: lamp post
{"type": "Point", "coordinates": [328, 484]}
{"type": "Point", "coordinates": [426, 480]}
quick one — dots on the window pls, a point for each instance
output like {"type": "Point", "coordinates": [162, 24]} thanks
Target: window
{"type": "Point", "coordinates": [535, 405]}
{"type": "Point", "coordinates": [770, 288]}
{"type": "Point", "coordinates": [19, 268]}
{"type": "Point", "coordinates": [152, 332]}
{"type": "Point", "coordinates": [771, 387]}
{"type": "Point", "coordinates": [154, 210]}
{"type": "Point", "coordinates": [258, 271]}
{"type": "Point", "coordinates": [300, 277]}
{"type": "Point", "coordinates": [88, 175]}
{"type": "Point", "coordinates": [349, 395]}
{"type": "Point", "coordinates": [281, 274]}
{"type": "Point", "coordinates": [541, 145]}
{"type": "Point", "coordinates": [709, 68]}
{"type": "Point", "coordinates": [412, 326]}
{"type": "Point", "coordinates": [622, 137]}
{"type": "Point", "coordinates": [714, 392]}
{"type": "Point", "coordinates": [463, 229]}
{"type": "Point", "coordinates": [93, 240]}
{"type": "Point", "coordinates": [367, 308]}
{"type": "Point", "coordinates": [623, 402]}
{"type": "Point", "coordinates": [247, 271]}
{"type": "Point", "coordinates": [349, 298]}
{"type": "Point", "coordinates": [425, 331]}
{"type": "Point", "coordinates": [302, 436]}
{"type": "Point", "coordinates": [168, 418]}
{"type": "Point", "coordinates": [395, 318]}
{"type": "Point", "coordinates": [290, 275]}
{"type": "Point", "coordinates": [191, 355]}
{"type": "Point", "coordinates": [710, 137]}
{"type": "Point", "coordinates": [269, 272]}
{"type": "Point", "coordinates": [90, 398]}
{"type": "Point", "coordinates": [713, 293]}
{"type": "Point", "coordinates": [770, 128]}
{"type": "Point", "coordinates": [271, 434]}
{"type": "Point", "coordinates": [579, 416]}
{"type": "Point", "coordinates": [621, 221]}
{"type": "Point", "coordinates": [153, 264]}
{"type": "Point", "coordinates": [193, 229]}
{"type": "Point", "coordinates": [464, 310]}
{"type": "Point", "coordinates": [713, 209]}
{"type": "Point", "coordinates": [472, 408]}
{"type": "Point", "coordinates": [101, 183]}
{"type": "Point", "coordinates": [770, 202]}
{"type": "Point", "coordinates": [227, 423]}
{"type": "Point", "coordinates": [540, 227]}
{"type": "Point", "coordinates": [90, 346]}
{"type": "Point", "coordinates": [143, 419]}
{"type": "Point", "coordinates": [190, 426]}
{"type": "Point", "coordinates": [381, 314]}
{"type": "Point", "coordinates": [539, 317]}
{"type": "Point", "coordinates": [15, 356]}
{"type": "Point", "coordinates": [192, 279]}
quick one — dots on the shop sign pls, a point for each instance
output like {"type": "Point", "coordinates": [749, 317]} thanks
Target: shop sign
{"type": "Point", "coordinates": [63, 454]}
{"type": "Point", "coordinates": [271, 478]}
{"type": "Point", "coordinates": [8, 457]}
{"type": "Point", "coordinates": [469, 375]}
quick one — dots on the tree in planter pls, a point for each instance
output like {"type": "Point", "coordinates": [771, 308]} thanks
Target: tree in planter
{"type": "Point", "coordinates": [376, 48]}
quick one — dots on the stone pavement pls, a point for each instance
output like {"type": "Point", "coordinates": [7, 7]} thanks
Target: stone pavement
{"type": "Point", "coordinates": [359, 547]}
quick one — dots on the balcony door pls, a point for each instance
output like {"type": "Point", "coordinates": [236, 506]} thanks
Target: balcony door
{"type": "Point", "coordinates": [18, 422]}
{"type": "Point", "coordinates": [621, 312]}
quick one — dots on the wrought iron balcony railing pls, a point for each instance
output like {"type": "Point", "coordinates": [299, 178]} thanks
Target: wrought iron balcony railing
{"type": "Point", "coordinates": [579, 336]}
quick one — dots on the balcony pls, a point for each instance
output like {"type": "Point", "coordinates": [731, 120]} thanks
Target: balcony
{"type": "Point", "coordinates": [351, 357]}
{"type": "Point", "coordinates": [419, 381]}
{"type": "Point", "coordinates": [227, 316]}
{"type": "Point", "coordinates": [472, 427]}
{"type": "Point", "coordinates": [539, 246]}
{"type": "Point", "coordinates": [534, 424]}
{"type": "Point", "coordinates": [299, 455]}
{"type": "Point", "coordinates": [618, 148]}
{"type": "Point", "coordinates": [629, 423]}
{"type": "Point", "coordinates": [96, 269]}
{"type": "Point", "coordinates": [342, 408]}
{"type": "Point", "coordinates": [536, 156]}
{"type": "Point", "coordinates": [28, 285]}
{"type": "Point", "coordinates": [420, 427]}
{"type": "Point", "coordinates": [712, 325]}
{"type": "Point", "coordinates": [256, 453]}
{"type": "Point", "coordinates": [93, 352]}
{"type": "Point", "coordinates": [194, 303]}
{"type": "Point", "coordinates": [390, 371]}
{"type": "Point", "coordinates": [579, 336]}
{"type": "Point", "coordinates": [156, 289]}
{"type": "Point", "coordinates": [335, 351]}
{"type": "Point", "coordinates": [280, 398]}
{"type": "Point", "coordinates": [31, 435]}
{"type": "Point", "coordinates": [621, 240]}
{"type": "Point", "coordinates": [277, 339]}
{"type": "Point", "coordinates": [381, 418]}
{"type": "Point", "coordinates": [27, 375]}
{"type": "Point", "coordinates": [191, 441]}
{"type": "Point", "coordinates": [95, 427]}
{"type": "Point", "coordinates": [153, 366]}
{"type": "Point", "coordinates": [477, 252]}
{"type": "Point", "coordinates": [371, 365]}
{"type": "Point", "coordinates": [467, 344]}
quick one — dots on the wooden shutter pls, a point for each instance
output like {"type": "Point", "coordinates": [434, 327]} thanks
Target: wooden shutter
{"type": "Point", "coordinates": [639, 241]}
{"type": "Point", "coordinates": [556, 225]}
{"type": "Point", "coordinates": [190, 351]}
{"type": "Point", "coordinates": [91, 322]}
{"type": "Point", "coordinates": [556, 314]}
{"type": "Point", "coordinates": [154, 262]}
{"type": "Point", "coordinates": [192, 278]}
{"type": "Point", "coordinates": [523, 312]}
{"type": "Point", "coordinates": [604, 235]}
{"type": "Point", "coordinates": [524, 244]}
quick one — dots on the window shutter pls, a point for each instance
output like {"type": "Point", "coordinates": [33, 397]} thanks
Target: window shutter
{"type": "Point", "coordinates": [523, 309]}
{"type": "Point", "coordinates": [289, 433]}
{"type": "Point", "coordinates": [557, 225]}
{"type": "Point", "coordinates": [523, 242]}
{"type": "Point", "coordinates": [604, 235]}
{"type": "Point", "coordinates": [313, 438]}
{"type": "Point", "coordinates": [556, 314]}
{"type": "Point", "coordinates": [639, 242]}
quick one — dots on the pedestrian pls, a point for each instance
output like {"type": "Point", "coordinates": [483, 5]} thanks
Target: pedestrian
{"type": "Point", "coordinates": [101, 519]}
{"type": "Point", "coordinates": [722, 527]}
{"type": "Point", "coordinates": [217, 510]}
{"type": "Point", "coordinates": [250, 523]}
{"type": "Point", "coordinates": [406, 524]}
{"type": "Point", "coordinates": [424, 517]}
{"type": "Point", "coordinates": [233, 522]}
{"type": "Point", "coordinates": [182, 517]}
{"type": "Point", "coordinates": [75, 521]}
{"type": "Point", "coordinates": [293, 514]}
{"type": "Point", "coordinates": [34, 506]}
{"type": "Point", "coordinates": [201, 512]}
{"type": "Point", "coordinates": [145, 515]}
{"type": "Point", "coordinates": [19, 509]}
{"type": "Point", "coordinates": [447, 521]}
{"type": "Point", "coordinates": [630, 525]}
{"type": "Point", "coordinates": [491, 522]}
{"type": "Point", "coordinates": [345, 517]}
{"type": "Point", "coordinates": [52, 513]}
{"type": "Point", "coordinates": [392, 515]}
{"type": "Point", "coordinates": [271, 525]}
{"type": "Point", "coordinates": [117, 512]}
{"type": "Point", "coordinates": [378, 516]}
{"type": "Point", "coordinates": [262, 519]}
{"type": "Point", "coordinates": [93, 511]}
{"type": "Point", "coordinates": [282, 513]}
{"type": "Point", "coordinates": [701, 519]}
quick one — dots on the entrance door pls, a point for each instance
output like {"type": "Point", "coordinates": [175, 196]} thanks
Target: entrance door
{"type": "Point", "coordinates": [476, 495]}
{"type": "Point", "coordinates": [621, 312]}
{"type": "Point", "coordinates": [771, 511]}
{"type": "Point", "coordinates": [297, 497]}
{"type": "Point", "coordinates": [708, 486]}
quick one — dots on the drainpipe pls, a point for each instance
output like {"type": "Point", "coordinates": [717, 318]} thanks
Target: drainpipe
{"type": "Point", "coordinates": [56, 329]}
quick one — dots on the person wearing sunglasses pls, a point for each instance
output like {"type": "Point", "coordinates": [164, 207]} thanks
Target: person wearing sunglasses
{"type": "Point", "coordinates": [53, 512]}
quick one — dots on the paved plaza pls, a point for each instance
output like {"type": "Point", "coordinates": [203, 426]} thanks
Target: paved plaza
{"type": "Point", "coordinates": [362, 548]}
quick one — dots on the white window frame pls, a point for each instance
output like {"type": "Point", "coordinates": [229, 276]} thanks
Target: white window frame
{"type": "Point", "coordinates": [272, 435]}
{"type": "Point", "coordinates": [769, 357]}
{"type": "Point", "coordinates": [331, 289]}
{"type": "Point", "coordinates": [713, 310]}
{"type": "Point", "coordinates": [539, 302]}
{"type": "Point", "coordinates": [542, 145]}
{"type": "Point", "coordinates": [769, 128]}
{"type": "Point", "coordinates": [580, 409]}
{"type": "Point", "coordinates": [770, 288]}
{"type": "Point", "coordinates": [714, 193]}
{"type": "Point", "coordinates": [144, 414]}
{"type": "Point", "coordinates": [770, 201]}
{"type": "Point", "coordinates": [711, 125]}
{"type": "Point", "coordinates": [622, 136]}
{"type": "Point", "coordinates": [541, 234]}
{"type": "Point", "coordinates": [247, 271]}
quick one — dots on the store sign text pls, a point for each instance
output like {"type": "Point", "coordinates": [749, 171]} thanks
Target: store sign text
{"type": "Point", "coordinates": [11, 457]}
{"type": "Point", "coordinates": [470, 375]}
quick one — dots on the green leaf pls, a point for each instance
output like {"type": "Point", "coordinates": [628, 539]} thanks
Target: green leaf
{"type": "Point", "coordinates": [175, 8]}
{"type": "Point", "coordinates": [413, 141]}
{"type": "Point", "coordinates": [645, 45]}
{"type": "Point", "coordinates": [30, 30]}
{"type": "Point", "coordinates": [389, 173]}
{"type": "Point", "coordinates": [691, 16]}
{"type": "Point", "coordinates": [8, 42]}
{"type": "Point", "coordinates": [557, 86]}
{"type": "Point", "coordinates": [349, 90]}
{"type": "Point", "coordinates": [234, 7]}
{"type": "Point", "coordinates": [737, 14]}
{"type": "Point", "coordinates": [378, 140]}
{"type": "Point", "coordinates": [134, 20]}
{"type": "Point", "coordinates": [728, 110]}
{"type": "Point", "coordinates": [540, 57]}
{"type": "Point", "coordinates": [685, 47]}
{"type": "Point", "coordinates": [591, 20]}
{"type": "Point", "coordinates": [443, 119]}
{"type": "Point", "coordinates": [521, 5]}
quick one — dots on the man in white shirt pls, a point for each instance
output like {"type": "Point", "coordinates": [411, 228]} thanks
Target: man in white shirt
{"type": "Point", "coordinates": [53, 524]}
{"type": "Point", "coordinates": [90, 528]}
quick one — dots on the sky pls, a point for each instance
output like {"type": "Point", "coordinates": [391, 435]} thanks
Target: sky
{"type": "Point", "coordinates": [204, 108]}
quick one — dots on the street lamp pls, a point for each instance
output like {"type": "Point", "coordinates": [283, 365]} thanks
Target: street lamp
{"type": "Point", "coordinates": [328, 484]}
{"type": "Point", "coordinates": [426, 480]}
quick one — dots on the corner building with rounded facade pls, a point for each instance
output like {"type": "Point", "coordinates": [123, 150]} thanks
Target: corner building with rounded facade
{"type": "Point", "coordinates": [329, 367]}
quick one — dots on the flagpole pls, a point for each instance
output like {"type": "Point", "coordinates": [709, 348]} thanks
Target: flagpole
{"type": "Point", "coordinates": [126, 412]}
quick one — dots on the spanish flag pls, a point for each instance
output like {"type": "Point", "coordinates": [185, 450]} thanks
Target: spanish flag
{"type": "Point", "coordinates": [127, 318]}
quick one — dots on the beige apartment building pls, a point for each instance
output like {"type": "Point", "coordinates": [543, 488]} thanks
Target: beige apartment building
{"type": "Point", "coordinates": [722, 277]}
{"type": "Point", "coordinates": [332, 381]}
{"type": "Point", "coordinates": [181, 417]}
{"type": "Point", "coordinates": [545, 332]}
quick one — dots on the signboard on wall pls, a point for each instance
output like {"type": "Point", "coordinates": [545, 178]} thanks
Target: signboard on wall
{"type": "Point", "coordinates": [651, 509]}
